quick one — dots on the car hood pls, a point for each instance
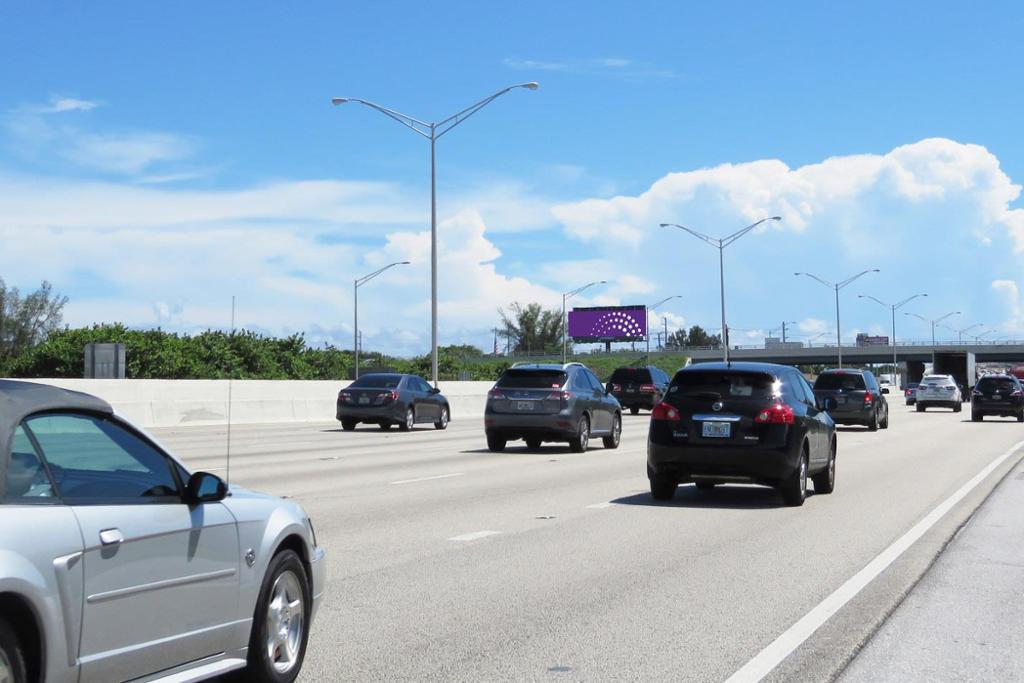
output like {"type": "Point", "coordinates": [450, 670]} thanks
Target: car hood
{"type": "Point", "coordinates": [249, 505]}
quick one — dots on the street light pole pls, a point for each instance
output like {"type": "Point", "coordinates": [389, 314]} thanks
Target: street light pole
{"type": "Point", "coordinates": [565, 317]}
{"type": "Point", "coordinates": [433, 132]}
{"type": "Point", "coordinates": [837, 286]}
{"type": "Point", "coordinates": [933, 323]}
{"type": "Point", "coordinates": [893, 307]}
{"type": "Point", "coordinates": [960, 333]}
{"type": "Point", "coordinates": [721, 243]}
{"type": "Point", "coordinates": [647, 318]}
{"type": "Point", "coordinates": [356, 284]}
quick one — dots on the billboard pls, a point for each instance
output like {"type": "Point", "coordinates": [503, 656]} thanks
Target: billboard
{"type": "Point", "coordinates": [608, 323]}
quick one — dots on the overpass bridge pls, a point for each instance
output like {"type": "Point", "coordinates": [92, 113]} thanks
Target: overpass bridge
{"type": "Point", "coordinates": [1010, 352]}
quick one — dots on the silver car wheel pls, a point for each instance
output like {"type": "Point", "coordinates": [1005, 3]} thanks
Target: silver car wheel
{"type": "Point", "coordinates": [285, 623]}
{"type": "Point", "coordinates": [410, 419]}
{"type": "Point", "coordinates": [6, 674]}
{"type": "Point", "coordinates": [444, 417]}
{"type": "Point", "coordinates": [585, 433]}
{"type": "Point", "coordinates": [803, 476]}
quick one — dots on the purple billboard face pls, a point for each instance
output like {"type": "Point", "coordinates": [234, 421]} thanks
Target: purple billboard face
{"type": "Point", "coordinates": [604, 324]}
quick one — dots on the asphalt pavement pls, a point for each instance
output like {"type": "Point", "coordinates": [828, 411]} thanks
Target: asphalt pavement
{"type": "Point", "coordinates": [448, 562]}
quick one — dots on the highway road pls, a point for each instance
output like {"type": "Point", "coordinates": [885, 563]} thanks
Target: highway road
{"type": "Point", "coordinates": [448, 562]}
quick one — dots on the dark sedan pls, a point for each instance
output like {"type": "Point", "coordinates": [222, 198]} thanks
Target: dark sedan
{"type": "Point", "coordinates": [387, 399]}
{"type": "Point", "coordinates": [1000, 395]}
{"type": "Point", "coordinates": [741, 423]}
{"type": "Point", "coordinates": [859, 400]}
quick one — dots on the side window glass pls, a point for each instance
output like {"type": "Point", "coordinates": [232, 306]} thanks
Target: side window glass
{"type": "Point", "coordinates": [580, 382]}
{"type": "Point", "coordinates": [595, 383]}
{"type": "Point", "coordinates": [26, 476]}
{"type": "Point", "coordinates": [790, 392]}
{"type": "Point", "coordinates": [807, 389]}
{"type": "Point", "coordinates": [97, 461]}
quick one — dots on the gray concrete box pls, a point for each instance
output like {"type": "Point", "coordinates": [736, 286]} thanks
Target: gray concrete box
{"type": "Point", "coordinates": [104, 361]}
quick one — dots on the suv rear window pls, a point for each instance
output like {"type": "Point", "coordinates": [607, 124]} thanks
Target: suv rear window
{"type": "Point", "coordinates": [635, 375]}
{"type": "Point", "coordinates": [532, 379]}
{"type": "Point", "coordinates": [994, 384]}
{"type": "Point", "coordinates": [377, 382]}
{"type": "Point", "coordinates": [719, 385]}
{"type": "Point", "coordinates": [834, 381]}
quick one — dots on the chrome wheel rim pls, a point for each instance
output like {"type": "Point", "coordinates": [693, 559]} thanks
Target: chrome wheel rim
{"type": "Point", "coordinates": [584, 433]}
{"type": "Point", "coordinates": [444, 417]}
{"type": "Point", "coordinates": [617, 430]}
{"type": "Point", "coordinates": [832, 469]}
{"type": "Point", "coordinates": [285, 623]}
{"type": "Point", "coordinates": [410, 419]}
{"type": "Point", "coordinates": [6, 675]}
{"type": "Point", "coordinates": [803, 477]}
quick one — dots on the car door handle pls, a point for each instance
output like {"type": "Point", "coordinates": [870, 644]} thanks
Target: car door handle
{"type": "Point", "coordinates": [111, 537]}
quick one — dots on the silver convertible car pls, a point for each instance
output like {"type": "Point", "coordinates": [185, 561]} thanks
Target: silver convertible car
{"type": "Point", "coordinates": [117, 564]}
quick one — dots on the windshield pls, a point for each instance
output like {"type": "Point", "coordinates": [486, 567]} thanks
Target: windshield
{"type": "Point", "coordinates": [718, 385]}
{"type": "Point", "coordinates": [938, 379]}
{"type": "Point", "coordinates": [377, 382]}
{"type": "Point", "coordinates": [836, 381]}
{"type": "Point", "coordinates": [994, 384]}
{"type": "Point", "coordinates": [641, 375]}
{"type": "Point", "coordinates": [532, 379]}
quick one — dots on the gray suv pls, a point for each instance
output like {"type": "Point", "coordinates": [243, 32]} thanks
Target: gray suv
{"type": "Point", "coordinates": [538, 403]}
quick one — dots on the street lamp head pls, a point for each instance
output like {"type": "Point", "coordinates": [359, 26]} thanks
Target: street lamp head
{"type": "Point", "coordinates": [776, 218]}
{"type": "Point", "coordinates": [532, 85]}
{"type": "Point", "coordinates": [666, 225]}
{"type": "Point", "coordinates": [404, 263]}
{"type": "Point", "coordinates": [339, 100]}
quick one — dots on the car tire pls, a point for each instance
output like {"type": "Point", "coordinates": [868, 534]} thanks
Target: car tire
{"type": "Point", "coordinates": [496, 444]}
{"type": "Point", "coordinates": [612, 440]}
{"type": "Point", "coordinates": [884, 424]}
{"type": "Point", "coordinates": [873, 424]}
{"type": "Point", "coordinates": [1020, 416]}
{"type": "Point", "coordinates": [12, 656]}
{"type": "Point", "coordinates": [794, 487]}
{"type": "Point", "coordinates": [385, 426]}
{"type": "Point", "coordinates": [920, 407]}
{"type": "Point", "coordinates": [443, 422]}
{"type": "Point", "coordinates": [825, 481]}
{"type": "Point", "coordinates": [976, 416]}
{"type": "Point", "coordinates": [662, 487]}
{"type": "Point", "coordinates": [533, 444]}
{"type": "Point", "coordinates": [406, 425]}
{"type": "Point", "coordinates": [957, 407]}
{"type": "Point", "coordinates": [580, 442]}
{"type": "Point", "coordinates": [705, 485]}
{"type": "Point", "coordinates": [634, 410]}
{"type": "Point", "coordinates": [348, 424]}
{"type": "Point", "coordinates": [277, 658]}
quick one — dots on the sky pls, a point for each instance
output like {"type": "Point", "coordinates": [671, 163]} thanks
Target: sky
{"type": "Point", "coordinates": [157, 159]}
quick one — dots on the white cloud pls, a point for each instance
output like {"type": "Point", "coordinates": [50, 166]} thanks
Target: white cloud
{"type": "Point", "coordinates": [126, 154]}
{"type": "Point", "coordinates": [1013, 305]}
{"type": "Point", "coordinates": [59, 105]}
{"type": "Point", "coordinates": [615, 67]}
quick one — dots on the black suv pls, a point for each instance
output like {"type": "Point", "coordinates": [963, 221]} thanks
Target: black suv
{"type": "Point", "coordinates": [859, 399]}
{"type": "Point", "coordinates": [741, 423]}
{"type": "Point", "coordinates": [538, 403]}
{"type": "Point", "coordinates": [637, 388]}
{"type": "Point", "coordinates": [1000, 395]}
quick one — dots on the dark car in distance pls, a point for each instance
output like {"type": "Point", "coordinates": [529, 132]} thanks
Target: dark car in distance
{"type": "Point", "coordinates": [859, 399]}
{"type": "Point", "coordinates": [387, 399]}
{"type": "Point", "coordinates": [548, 402]}
{"type": "Point", "coordinates": [1001, 395]}
{"type": "Point", "coordinates": [639, 387]}
{"type": "Point", "coordinates": [910, 393]}
{"type": "Point", "coordinates": [741, 423]}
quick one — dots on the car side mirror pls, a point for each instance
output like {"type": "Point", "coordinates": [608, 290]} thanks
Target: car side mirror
{"type": "Point", "coordinates": [829, 404]}
{"type": "Point", "coordinates": [885, 390]}
{"type": "Point", "coordinates": [435, 390]}
{"type": "Point", "coordinates": [204, 487]}
{"type": "Point", "coordinates": [608, 388]}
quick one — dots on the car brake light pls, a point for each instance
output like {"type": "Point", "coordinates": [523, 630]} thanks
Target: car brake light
{"type": "Point", "coordinates": [779, 414]}
{"type": "Point", "coordinates": [616, 387]}
{"type": "Point", "coordinates": [559, 396]}
{"type": "Point", "coordinates": [496, 394]}
{"type": "Point", "coordinates": [344, 396]}
{"type": "Point", "coordinates": [869, 398]}
{"type": "Point", "coordinates": [664, 411]}
{"type": "Point", "coordinates": [390, 396]}
{"type": "Point", "coordinates": [978, 393]}
{"type": "Point", "coordinates": [1017, 393]}
{"type": "Point", "coordinates": [648, 389]}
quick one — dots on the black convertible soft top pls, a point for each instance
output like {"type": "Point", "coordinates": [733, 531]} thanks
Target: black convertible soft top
{"type": "Point", "coordinates": [18, 400]}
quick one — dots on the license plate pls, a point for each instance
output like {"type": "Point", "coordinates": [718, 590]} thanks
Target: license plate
{"type": "Point", "coordinates": [996, 397]}
{"type": "Point", "coordinates": [840, 400]}
{"type": "Point", "coordinates": [364, 399]}
{"type": "Point", "coordinates": [715, 430]}
{"type": "Point", "coordinates": [524, 405]}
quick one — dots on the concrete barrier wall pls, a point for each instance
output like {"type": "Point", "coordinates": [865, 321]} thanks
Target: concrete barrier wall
{"type": "Point", "coordinates": [172, 403]}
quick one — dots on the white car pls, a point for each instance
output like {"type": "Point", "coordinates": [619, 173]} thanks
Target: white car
{"type": "Point", "coordinates": [938, 390]}
{"type": "Point", "coordinates": [117, 564]}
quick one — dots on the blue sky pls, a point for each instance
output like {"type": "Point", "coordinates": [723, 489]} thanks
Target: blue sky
{"type": "Point", "coordinates": [156, 159]}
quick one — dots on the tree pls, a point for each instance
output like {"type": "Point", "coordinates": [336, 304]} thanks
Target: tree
{"type": "Point", "coordinates": [531, 328]}
{"type": "Point", "coordinates": [27, 321]}
{"type": "Point", "coordinates": [696, 337]}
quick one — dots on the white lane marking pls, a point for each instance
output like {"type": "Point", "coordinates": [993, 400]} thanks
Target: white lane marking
{"type": "Point", "coordinates": [770, 657]}
{"type": "Point", "coordinates": [474, 535]}
{"type": "Point", "coordinates": [439, 476]}
{"type": "Point", "coordinates": [599, 506]}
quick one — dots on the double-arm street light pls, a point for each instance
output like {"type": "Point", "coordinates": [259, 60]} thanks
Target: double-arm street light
{"type": "Point", "coordinates": [837, 286]}
{"type": "Point", "coordinates": [359, 282]}
{"type": "Point", "coordinates": [933, 323]}
{"type": "Point", "coordinates": [647, 318]}
{"type": "Point", "coordinates": [565, 319]}
{"type": "Point", "coordinates": [960, 333]}
{"type": "Point", "coordinates": [783, 328]}
{"type": "Point", "coordinates": [893, 307]}
{"type": "Point", "coordinates": [721, 243]}
{"type": "Point", "coordinates": [433, 132]}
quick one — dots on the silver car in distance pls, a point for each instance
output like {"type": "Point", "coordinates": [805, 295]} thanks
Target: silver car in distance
{"type": "Point", "coordinates": [117, 564]}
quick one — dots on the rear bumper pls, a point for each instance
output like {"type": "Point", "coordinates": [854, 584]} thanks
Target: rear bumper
{"type": "Point", "coordinates": [393, 412]}
{"type": "Point", "coordinates": [758, 465]}
{"type": "Point", "coordinates": [1005, 408]}
{"type": "Point", "coordinates": [845, 415]}
{"type": "Point", "coordinates": [647, 401]}
{"type": "Point", "coordinates": [550, 427]}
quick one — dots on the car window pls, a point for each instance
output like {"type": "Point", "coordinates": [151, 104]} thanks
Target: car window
{"type": "Point", "coordinates": [803, 387]}
{"type": "Point", "coordinates": [1000, 384]}
{"type": "Point", "coordinates": [791, 391]}
{"type": "Point", "coordinates": [580, 381]}
{"type": "Point", "coordinates": [26, 476]}
{"type": "Point", "coordinates": [834, 381]}
{"type": "Point", "coordinates": [532, 379]}
{"type": "Point", "coordinates": [723, 385]}
{"type": "Point", "coordinates": [631, 375]}
{"type": "Point", "coordinates": [595, 383]}
{"type": "Point", "coordinates": [870, 381]}
{"type": "Point", "coordinates": [95, 460]}
{"type": "Point", "coordinates": [377, 382]}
